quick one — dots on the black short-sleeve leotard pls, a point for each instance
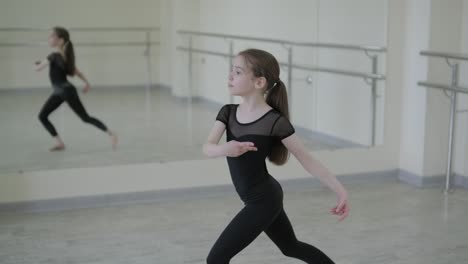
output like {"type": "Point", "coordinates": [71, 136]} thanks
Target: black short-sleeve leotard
{"type": "Point", "coordinates": [58, 73]}
{"type": "Point", "coordinates": [250, 169]}
{"type": "Point", "coordinates": [261, 193]}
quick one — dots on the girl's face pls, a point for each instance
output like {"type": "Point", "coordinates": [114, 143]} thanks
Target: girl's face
{"type": "Point", "coordinates": [54, 40]}
{"type": "Point", "coordinates": [242, 82]}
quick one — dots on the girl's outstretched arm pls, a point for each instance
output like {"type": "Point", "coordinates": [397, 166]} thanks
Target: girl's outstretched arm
{"type": "Point", "coordinates": [40, 65]}
{"type": "Point", "coordinates": [315, 168]}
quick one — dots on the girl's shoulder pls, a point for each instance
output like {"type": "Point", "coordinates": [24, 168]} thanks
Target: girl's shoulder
{"type": "Point", "coordinates": [55, 53]}
{"type": "Point", "coordinates": [229, 107]}
{"type": "Point", "coordinates": [225, 113]}
{"type": "Point", "coordinates": [53, 56]}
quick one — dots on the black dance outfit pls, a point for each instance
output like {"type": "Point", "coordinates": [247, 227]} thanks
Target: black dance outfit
{"type": "Point", "coordinates": [260, 192]}
{"type": "Point", "coordinates": [64, 91]}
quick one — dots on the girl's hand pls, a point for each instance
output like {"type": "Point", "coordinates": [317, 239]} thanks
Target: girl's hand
{"type": "Point", "coordinates": [342, 209]}
{"type": "Point", "coordinates": [40, 65]}
{"type": "Point", "coordinates": [86, 88]}
{"type": "Point", "coordinates": [235, 148]}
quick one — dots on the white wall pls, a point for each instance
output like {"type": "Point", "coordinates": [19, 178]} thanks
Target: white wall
{"type": "Point", "coordinates": [439, 26]}
{"type": "Point", "coordinates": [335, 105]}
{"type": "Point", "coordinates": [413, 100]}
{"type": "Point", "coordinates": [343, 103]}
{"type": "Point", "coordinates": [103, 65]}
{"type": "Point", "coordinates": [445, 28]}
{"type": "Point", "coordinates": [461, 138]}
{"type": "Point", "coordinates": [176, 15]}
{"type": "Point", "coordinates": [213, 79]}
{"type": "Point", "coordinates": [165, 22]}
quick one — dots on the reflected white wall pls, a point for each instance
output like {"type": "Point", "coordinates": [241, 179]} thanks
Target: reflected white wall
{"type": "Point", "coordinates": [461, 138]}
{"type": "Point", "coordinates": [333, 105]}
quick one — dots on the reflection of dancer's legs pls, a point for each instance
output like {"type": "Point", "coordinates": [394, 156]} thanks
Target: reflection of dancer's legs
{"type": "Point", "coordinates": [73, 100]}
{"type": "Point", "coordinates": [50, 105]}
{"type": "Point", "coordinates": [71, 97]}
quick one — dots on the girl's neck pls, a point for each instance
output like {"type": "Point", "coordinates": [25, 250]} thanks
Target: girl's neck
{"type": "Point", "coordinates": [60, 50]}
{"type": "Point", "coordinates": [253, 103]}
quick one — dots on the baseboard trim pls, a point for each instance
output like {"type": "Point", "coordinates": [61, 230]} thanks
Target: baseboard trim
{"type": "Point", "coordinates": [461, 181]}
{"type": "Point", "coordinates": [380, 177]}
{"type": "Point", "coordinates": [431, 181]}
{"type": "Point", "coordinates": [180, 194]}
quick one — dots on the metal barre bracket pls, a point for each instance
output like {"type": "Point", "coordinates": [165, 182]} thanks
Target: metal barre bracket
{"type": "Point", "coordinates": [454, 89]}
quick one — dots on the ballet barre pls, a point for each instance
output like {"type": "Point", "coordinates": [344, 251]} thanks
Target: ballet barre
{"type": "Point", "coordinates": [370, 51]}
{"type": "Point", "coordinates": [286, 42]}
{"type": "Point", "coordinates": [84, 29]}
{"type": "Point", "coordinates": [297, 66]}
{"type": "Point", "coordinates": [454, 88]}
{"type": "Point", "coordinates": [147, 43]}
{"type": "Point", "coordinates": [83, 44]}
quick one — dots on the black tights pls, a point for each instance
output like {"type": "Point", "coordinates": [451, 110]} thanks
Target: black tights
{"type": "Point", "coordinates": [71, 97]}
{"type": "Point", "coordinates": [263, 213]}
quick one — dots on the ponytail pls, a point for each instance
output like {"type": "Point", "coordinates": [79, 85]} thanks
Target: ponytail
{"type": "Point", "coordinates": [68, 50]}
{"type": "Point", "coordinates": [277, 98]}
{"type": "Point", "coordinates": [70, 58]}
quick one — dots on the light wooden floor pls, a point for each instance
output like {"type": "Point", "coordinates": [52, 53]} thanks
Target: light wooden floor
{"type": "Point", "coordinates": [390, 223]}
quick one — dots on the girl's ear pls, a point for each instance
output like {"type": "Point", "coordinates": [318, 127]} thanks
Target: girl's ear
{"type": "Point", "coordinates": [260, 82]}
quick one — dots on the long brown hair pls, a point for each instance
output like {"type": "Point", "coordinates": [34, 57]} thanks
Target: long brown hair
{"type": "Point", "coordinates": [68, 49]}
{"type": "Point", "coordinates": [264, 64]}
